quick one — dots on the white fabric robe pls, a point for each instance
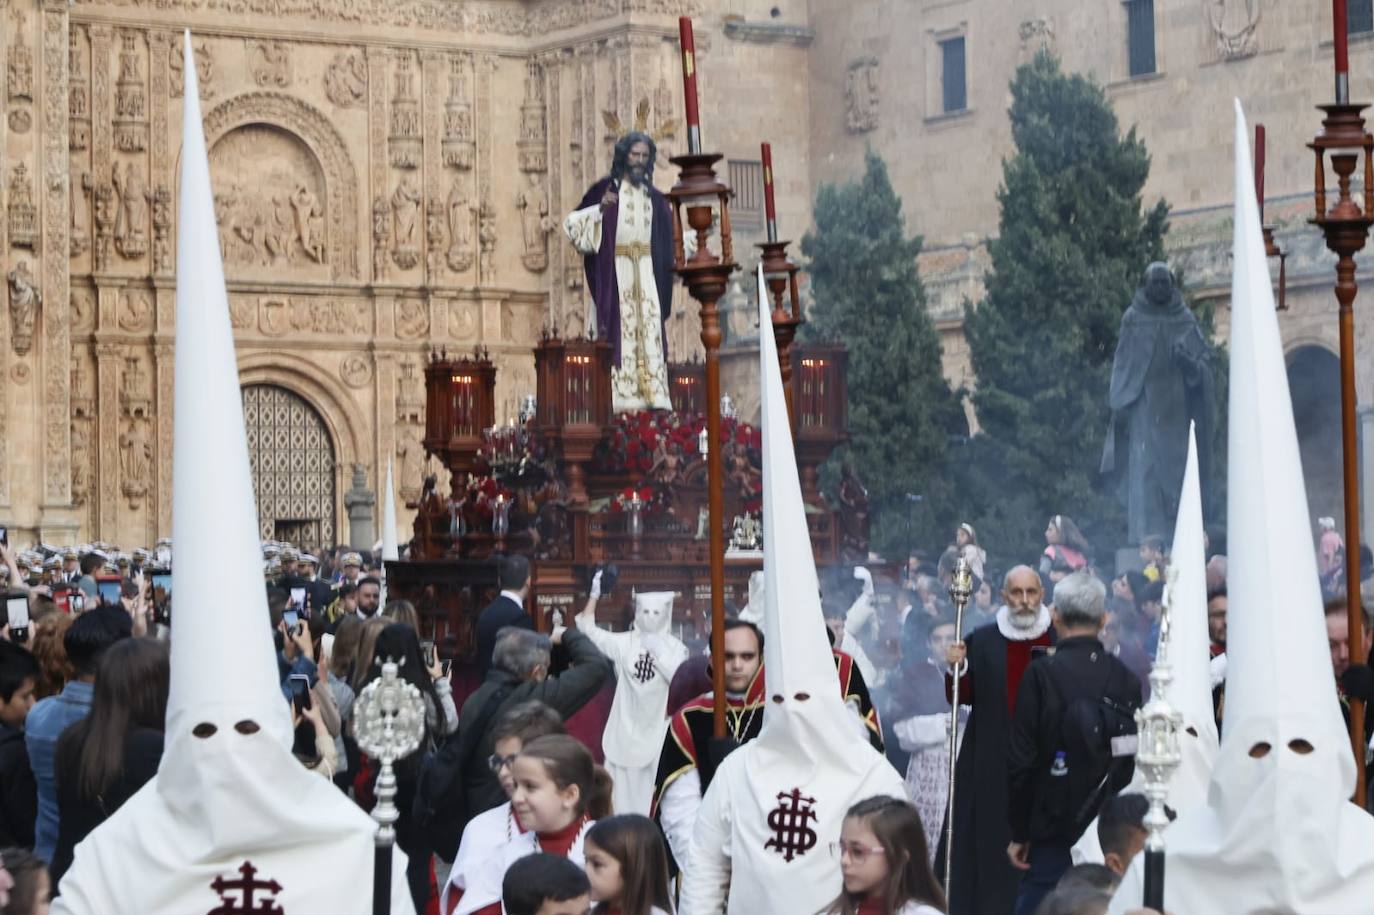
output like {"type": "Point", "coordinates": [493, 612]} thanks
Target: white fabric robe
{"type": "Point", "coordinates": [482, 837]}
{"type": "Point", "coordinates": [633, 739]}
{"type": "Point", "coordinates": [485, 879]}
{"type": "Point", "coordinates": [634, 386]}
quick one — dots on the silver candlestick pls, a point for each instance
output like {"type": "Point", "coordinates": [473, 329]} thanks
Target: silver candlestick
{"type": "Point", "coordinates": [1158, 754]}
{"type": "Point", "coordinates": [960, 591]}
{"type": "Point", "coordinates": [388, 722]}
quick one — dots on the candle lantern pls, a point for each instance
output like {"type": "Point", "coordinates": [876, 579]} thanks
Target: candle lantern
{"type": "Point", "coordinates": [686, 387]}
{"type": "Point", "coordinates": [1345, 221]}
{"type": "Point", "coordinates": [1271, 248]}
{"type": "Point", "coordinates": [780, 285]}
{"type": "Point", "coordinates": [706, 201]}
{"type": "Point", "coordinates": [460, 404]}
{"type": "Point", "coordinates": [572, 402]}
{"type": "Point", "coordinates": [820, 408]}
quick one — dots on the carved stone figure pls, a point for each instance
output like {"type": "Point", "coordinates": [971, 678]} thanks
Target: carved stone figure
{"type": "Point", "coordinates": [435, 233]}
{"type": "Point", "coordinates": [135, 460]}
{"type": "Point", "coordinates": [23, 215]}
{"type": "Point", "coordinates": [280, 236]}
{"type": "Point", "coordinates": [271, 63]}
{"type": "Point", "coordinates": [24, 301]}
{"type": "Point", "coordinates": [78, 97]}
{"type": "Point", "coordinates": [533, 121]}
{"type": "Point", "coordinates": [137, 312]}
{"type": "Point", "coordinates": [405, 117]}
{"type": "Point", "coordinates": [162, 226]}
{"type": "Point", "coordinates": [204, 70]}
{"type": "Point", "coordinates": [410, 456]}
{"type": "Point", "coordinates": [81, 460]}
{"type": "Point", "coordinates": [309, 221]}
{"type": "Point", "coordinates": [1161, 380]}
{"type": "Point", "coordinates": [106, 206]}
{"type": "Point", "coordinates": [1234, 24]}
{"type": "Point", "coordinates": [536, 225]}
{"type": "Point", "coordinates": [486, 233]}
{"type": "Point", "coordinates": [405, 208]}
{"type": "Point", "coordinates": [458, 142]}
{"type": "Point", "coordinates": [130, 122]}
{"type": "Point", "coordinates": [131, 218]}
{"type": "Point", "coordinates": [81, 186]}
{"type": "Point", "coordinates": [19, 71]}
{"type": "Point", "coordinates": [355, 371]}
{"type": "Point", "coordinates": [412, 319]}
{"type": "Point", "coordinates": [459, 229]}
{"type": "Point", "coordinates": [861, 95]}
{"type": "Point", "coordinates": [345, 79]}
{"type": "Point", "coordinates": [381, 226]}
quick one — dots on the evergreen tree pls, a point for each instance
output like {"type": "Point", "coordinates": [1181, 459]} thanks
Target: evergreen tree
{"type": "Point", "coordinates": [869, 296]}
{"type": "Point", "coordinates": [1072, 246]}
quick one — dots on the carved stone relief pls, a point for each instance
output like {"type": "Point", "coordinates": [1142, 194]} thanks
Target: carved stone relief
{"type": "Point", "coordinates": [242, 312]}
{"type": "Point", "coordinates": [78, 95]}
{"type": "Point", "coordinates": [331, 317]}
{"type": "Point", "coordinates": [412, 319]}
{"type": "Point", "coordinates": [162, 228]}
{"type": "Point", "coordinates": [205, 69]}
{"type": "Point", "coordinates": [1036, 34]}
{"type": "Point", "coordinates": [355, 370]}
{"type": "Point", "coordinates": [323, 150]}
{"type": "Point", "coordinates": [135, 459]}
{"type": "Point", "coordinates": [270, 205]}
{"type": "Point", "coordinates": [131, 99]}
{"type": "Point", "coordinates": [436, 234]}
{"type": "Point", "coordinates": [23, 214]}
{"type": "Point", "coordinates": [459, 213]}
{"type": "Point", "coordinates": [83, 311]}
{"type": "Point", "coordinates": [135, 312]}
{"type": "Point", "coordinates": [486, 233]}
{"type": "Point", "coordinates": [405, 214]}
{"type": "Point", "coordinates": [131, 214]}
{"type": "Point", "coordinates": [861, 95]}
{"type": "Point", "coordinates": [404, 141]}
{"type": "Point", "coordinates": [458, 144]}
{"type": "Point", "coordinates": [1234, 24]}
{"type": "Point", "coordinates": [381, 233]}
{"type": "Point", "coordinates": [82, 469]}
{"type": "Point", "coordinates": [534, 129]}
{"type": "Point", "coordinates": [410, 396]}
{"type": "Point", "coordinates": [345, 79]}
{"type": "Point", "coordinates": [83, 397]}
{"type": "Point", "coordinates": [24, 302]}
{"type": "Point", "coordinates": [462, 320]}
{"type": "Point", "coordinates": [535, 224]}
{"type": "Point", "coordinates": [410, 461]}
{"type": "Point", "coordinates": [106, 210]}
{"type": "Point", "coordinates": [81, 186]}
{"type": "Point", "coordinates": [19, 77]}
{"type": "Point", "coordinates": [135, 398]}
{"type": "Point", "coordinates": [271, 63]}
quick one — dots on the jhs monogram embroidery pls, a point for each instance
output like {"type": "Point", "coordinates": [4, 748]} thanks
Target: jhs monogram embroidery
{"type": "Point", "coordinates": [792, 836]}
{"type": "Point", "coordinates": [644, 668]}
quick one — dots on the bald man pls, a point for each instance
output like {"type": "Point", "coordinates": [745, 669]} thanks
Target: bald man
{"type": "Point", "coordinates": [990, 666]}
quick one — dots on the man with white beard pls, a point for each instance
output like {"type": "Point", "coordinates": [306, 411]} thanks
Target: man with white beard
{"type": "Point", "coordinates": [645, 660]}
{"type": "Point", "coordinates": [991, 666]}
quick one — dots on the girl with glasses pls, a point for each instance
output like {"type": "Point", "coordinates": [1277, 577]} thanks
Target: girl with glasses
{"type": "Point", "coordinates": [882, 853]}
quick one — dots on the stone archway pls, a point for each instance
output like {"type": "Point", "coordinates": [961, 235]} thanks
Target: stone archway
{"type": "Point", "coordinates": [1314, 382]}
{"type": "Point", "coordinates": [312, 127]}
{"type": "Point", "coordinates": [292, 455]}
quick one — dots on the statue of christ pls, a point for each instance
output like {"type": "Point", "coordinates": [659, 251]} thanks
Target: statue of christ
{"type": "Point", "coordinates": [623, 228]}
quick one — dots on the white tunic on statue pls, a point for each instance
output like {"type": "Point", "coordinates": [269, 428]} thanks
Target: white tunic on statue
{"type": "Point", "coordinates": [644, 667]}
{"type": "Point", "coordinates": [640, 382]}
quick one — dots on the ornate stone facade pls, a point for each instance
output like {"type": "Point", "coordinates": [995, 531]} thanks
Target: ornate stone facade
{"type": "Point", "coordinates": [388, 177]}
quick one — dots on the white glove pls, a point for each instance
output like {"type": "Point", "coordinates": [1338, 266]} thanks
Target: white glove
{"type": "Point", "coordinates": [653, 643]}
{"type": "Point", "coordinates": [556, 618]}
{"type": "Point", "coordinates": [595, 592]}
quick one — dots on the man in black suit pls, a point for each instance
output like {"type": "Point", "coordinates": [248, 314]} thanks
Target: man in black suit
{"type": "Point", "coordinates": [507, 610]}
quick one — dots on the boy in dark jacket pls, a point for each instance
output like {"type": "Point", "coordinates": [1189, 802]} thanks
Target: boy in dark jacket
{"type": "Point", "coordinates": [18, 793]}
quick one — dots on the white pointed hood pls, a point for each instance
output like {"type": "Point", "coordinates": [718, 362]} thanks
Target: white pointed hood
{"type": "Point", "coordinates": [1190, 692]}
{"type": "Point", "coordinates": [1278, 833]}
{"type": "Point", "coordinates": [228, 794]}
{"type": "Point", "coordinates": [808, 765]}
{"type": "Point", "coordinates": [390, 548]}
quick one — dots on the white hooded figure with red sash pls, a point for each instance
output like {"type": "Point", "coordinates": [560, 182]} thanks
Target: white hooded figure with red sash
{"type": "Point", "coordinates": [232, 822]}
{"type": "Point", "coordinates": [1278, 834]}
{"type": "Point", "coordinates": [763, 834]}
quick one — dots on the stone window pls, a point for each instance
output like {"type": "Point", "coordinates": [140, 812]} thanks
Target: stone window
{"type": "Point", "coordinates": [746, 179]}
{"type": "Point", "coordinates": [1360, 17]}
{"type": "Point", "coordinates": [1140, 36]}
{"type": "Point", "coordinates": [953, 86]}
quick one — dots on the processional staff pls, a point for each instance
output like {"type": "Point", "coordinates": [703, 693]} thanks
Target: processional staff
{"type": "Point", "coordinates": [389, 721]}
{"type": "Point", "coordinates": [960, 590]}
{"type": "Point", "coordinates": [1158, 755]}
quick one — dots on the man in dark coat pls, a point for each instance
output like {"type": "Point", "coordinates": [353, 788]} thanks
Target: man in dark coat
{"type": "Point", "coordinates": [1161, 381]}
{"type": "Point", "coordinates": [639, 379]}
{"type": "Point", "coordinates": [19, 676]}
{"type": "Point", "coordinates": [507, 610]}
{"type": "Point", "coordinates": [983, 882]}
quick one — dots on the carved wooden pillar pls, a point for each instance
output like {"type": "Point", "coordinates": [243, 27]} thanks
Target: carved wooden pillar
{"type": "Point", "coordinates": [56, 275]}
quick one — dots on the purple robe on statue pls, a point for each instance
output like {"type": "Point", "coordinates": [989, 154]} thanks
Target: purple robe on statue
{"type": "Point", "coordinates": [600, 267]}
